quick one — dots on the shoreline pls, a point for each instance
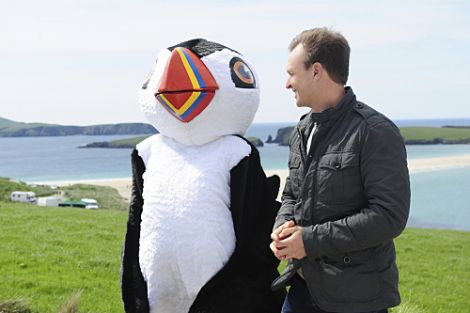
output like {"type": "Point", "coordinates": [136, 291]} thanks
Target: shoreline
{"type": "Point", "coordinates": [123, 185]}
{"type": "Point", "coordinates": [438, 163]}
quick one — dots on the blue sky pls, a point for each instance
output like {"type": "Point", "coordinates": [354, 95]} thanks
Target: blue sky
{"type": "Point", "coordinates": [81, 62]}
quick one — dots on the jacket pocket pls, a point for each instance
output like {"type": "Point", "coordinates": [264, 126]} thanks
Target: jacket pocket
{"type": "Point", "coordinates": [294, 167]}
{"type": "Point", "coordinates": [351, 277]}
{"type": "Point", "coordinates": [339, 179]}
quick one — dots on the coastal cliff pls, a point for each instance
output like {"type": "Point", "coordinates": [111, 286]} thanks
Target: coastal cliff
{"type": "Point", "coordinates": [10, 128]}
{"type": "Point", "coordinates": [283, 135]}
{"type": "Point", "coordinates": [412, 135]}
{"type": "Point", "coordinates": [448, 134]}
{"type": "Point", "coordinates": [132, 142]}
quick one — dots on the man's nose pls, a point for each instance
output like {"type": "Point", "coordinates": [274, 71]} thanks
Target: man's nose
{"type": "Point", "coordinates": [288, 85]}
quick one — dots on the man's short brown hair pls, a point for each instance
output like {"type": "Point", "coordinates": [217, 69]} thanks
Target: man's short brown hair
{"type": "Point", "coordinates": [327, 47]}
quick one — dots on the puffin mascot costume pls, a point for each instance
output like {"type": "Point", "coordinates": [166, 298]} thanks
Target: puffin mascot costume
{"type": "Point", "coordinates": [201, 208]}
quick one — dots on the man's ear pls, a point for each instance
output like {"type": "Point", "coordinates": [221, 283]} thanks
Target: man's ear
{"type": "Point", "coordinates": [317, 69]}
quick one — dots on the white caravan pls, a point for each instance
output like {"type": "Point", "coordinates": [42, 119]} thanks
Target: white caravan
{"type": "Point", "coordinates": [23, 196]}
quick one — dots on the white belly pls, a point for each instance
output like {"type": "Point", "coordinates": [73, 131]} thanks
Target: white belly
{"type": "Point", "coordinates": [187, 231]}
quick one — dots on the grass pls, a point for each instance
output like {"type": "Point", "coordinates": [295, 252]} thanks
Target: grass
{"type": "Point", "coordinates": [431, 133]}
{"type": "Point", "coordinates": [107, 197]}
{"type": "Point", "coordinates": [9, 125]}
{"type": "Point", "coordinates": [131, 142]}
{"type": "Point", "coordinates": [412, 135]}
{"type": "Point", "coordinates": [6, 122]}
{"type": "Point", "coordinates": [127, 142]}
{"type": "Point", "coordinates": [15, 306]}
{"type": "Point", "coordinates": [49, 254]}
{"type": "Point", "coordinates": [435, 269]}
{"type": "Point", "coordinates": [7, 186]}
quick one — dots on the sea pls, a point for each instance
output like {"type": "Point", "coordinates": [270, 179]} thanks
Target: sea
{"type": "Point", "coordinates": [440, 198]}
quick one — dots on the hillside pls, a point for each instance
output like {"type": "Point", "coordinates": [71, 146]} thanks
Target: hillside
{"type": "Point", "coordinates": [128, 143]}
{"type": "Point", "coordinates": [436, 135]}
{"type": "Point", "coordinates": [7, 186]}
{"type": "Point", "coordinates": [132, 142]}
{"type": "Point", "coordinates": [412, 135]}
{"type": "Point", "coordinates": [50, 253]}
{"type": "Point", "coordinates": [9, 128]}
{"type": "Point", "coordinates": [7, 123]}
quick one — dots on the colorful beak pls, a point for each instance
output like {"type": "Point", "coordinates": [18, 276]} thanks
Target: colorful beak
{"type": "Point", "coordinates": [187, 86]}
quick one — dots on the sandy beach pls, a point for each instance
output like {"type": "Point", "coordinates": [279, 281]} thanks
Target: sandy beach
{"type": "Point", "coordinates": [123, 185]}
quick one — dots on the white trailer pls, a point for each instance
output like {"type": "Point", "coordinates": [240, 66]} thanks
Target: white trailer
{"type": "Point", "coordinates": [23, 196]}
{"type": "Point", "coordinates": [49, 201]}
{"type": "Point", "coordinates": [91, 204]}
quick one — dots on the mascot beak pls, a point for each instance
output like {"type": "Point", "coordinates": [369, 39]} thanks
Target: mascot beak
{"type": "Point", "coordinates": [187, 86]}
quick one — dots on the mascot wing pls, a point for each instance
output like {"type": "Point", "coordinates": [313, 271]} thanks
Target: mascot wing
{"type": "Point", "coordinates": [243, 284]}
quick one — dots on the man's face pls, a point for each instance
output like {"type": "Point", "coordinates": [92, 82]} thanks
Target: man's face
{"type": "Point", "coordinates": [300, 80]}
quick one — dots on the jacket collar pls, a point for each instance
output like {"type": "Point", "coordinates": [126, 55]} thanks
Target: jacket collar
{"type": "Point", "coordinates": [330, 114]}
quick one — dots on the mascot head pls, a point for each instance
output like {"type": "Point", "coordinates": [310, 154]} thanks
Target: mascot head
{"type": "Point", "coordinates": [199, 91]}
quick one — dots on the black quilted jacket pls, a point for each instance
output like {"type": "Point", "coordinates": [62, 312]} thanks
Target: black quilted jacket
{"type": "Point", "coordinates": [351, 196]}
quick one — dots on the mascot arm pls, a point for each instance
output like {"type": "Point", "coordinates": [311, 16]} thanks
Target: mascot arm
{"type": "Point", "coordinates": [243, 285]}
{"type": "Point", "coordinates": [133, 286]}
{"type": "Point", "coordinates": [254, 208]}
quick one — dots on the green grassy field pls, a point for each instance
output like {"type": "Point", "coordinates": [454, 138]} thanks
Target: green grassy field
{"type": "Point", "coordinates": [7, 186]}
{"type": "Point", "coordinates": [127, 142]}
{"type": "Point", "coordinates": [12, 125]}
{"type": "Point", "coordinates": [131, 142]}
{"type": "Point", "coordinates": [107, 197]}
{"type": "Point", "coordinates": [48, 254]}
{"type": "Point", "coordinates": [431, 133]}
{"type": "Point", "coordinates": [412, 135]}
{"type": "Point", "coordinates": [435, 269]}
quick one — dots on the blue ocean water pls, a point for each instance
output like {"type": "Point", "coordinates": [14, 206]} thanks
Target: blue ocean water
{"type": "Point", "coordinates": [434, 151]}
{"type": "Point", "coordinates": [272, 156]}
{"type": "Point", "coordinates": [440, 199]}
{"type": "Point", "coordinates": [40, 159]}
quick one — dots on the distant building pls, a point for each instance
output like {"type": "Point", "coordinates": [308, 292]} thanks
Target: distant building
{"type": "Point", "coordinates": [23, 196]}
{"type": "Point", "coordinates": [49, 201]}
{"type": "Point", "coordinates": [91, 204]}
{"type": "Point", "coordinates": [85, 203]}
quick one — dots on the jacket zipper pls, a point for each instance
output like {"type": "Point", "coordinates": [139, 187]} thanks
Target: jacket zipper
{"type": "Point", "coordinates": [302, 148]}
{"type": "Point", "coordinates": [306, 170]}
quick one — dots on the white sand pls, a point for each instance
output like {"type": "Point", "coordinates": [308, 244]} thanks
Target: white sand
{"type": "Point", "coordinates": [123, 185]}
{"type": "Point", "coordinates": [440, 163]}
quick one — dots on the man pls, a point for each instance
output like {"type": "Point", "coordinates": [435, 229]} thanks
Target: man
{"type": "Point", "coordinates": [347, 194]}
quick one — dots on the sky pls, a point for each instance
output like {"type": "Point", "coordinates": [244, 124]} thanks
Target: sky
{"type": "Point", "coordinates": [81, 62]}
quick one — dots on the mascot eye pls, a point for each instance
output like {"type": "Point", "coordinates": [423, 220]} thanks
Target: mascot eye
{"type": "Point", "coordinates": [242, 76]}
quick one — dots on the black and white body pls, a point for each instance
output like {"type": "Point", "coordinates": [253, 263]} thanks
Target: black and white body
{"type": "Point", "coordinates": [198, 96]}
{"type": "Point", "coordinates": [187, 232]}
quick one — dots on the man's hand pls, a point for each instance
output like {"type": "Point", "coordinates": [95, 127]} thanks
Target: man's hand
{"type": "Point", "coordinates": [287, 242]}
